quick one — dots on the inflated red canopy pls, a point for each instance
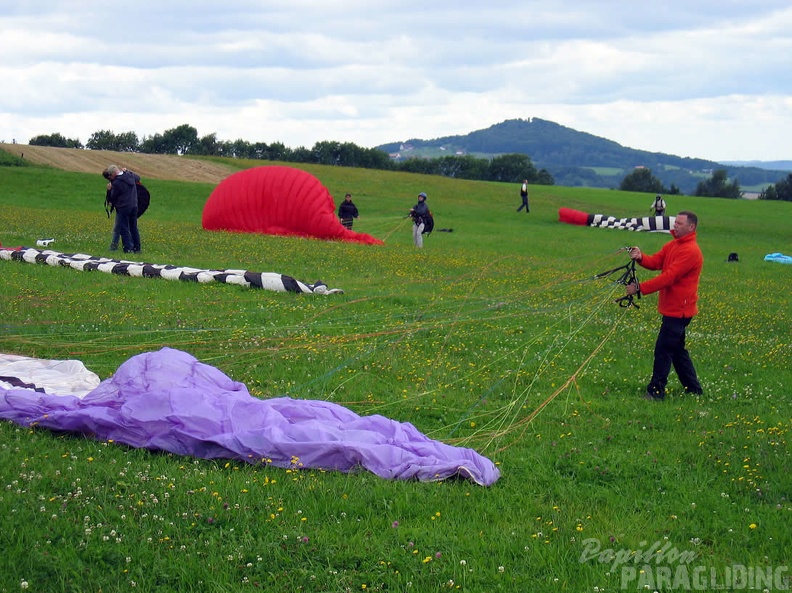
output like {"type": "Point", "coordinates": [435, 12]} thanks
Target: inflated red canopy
{"type": "Point", "coordinates": [277, 200]}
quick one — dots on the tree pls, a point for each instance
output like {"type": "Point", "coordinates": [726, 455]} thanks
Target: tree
{"type": "Point", "coordinates": [717, 186]}
{"type": "Point", "coordinates": [127, 142]}
{"type": "Point", "coordinates": [56, 140]}
{"type": "Point", "coordinates": [101, 140]}
{"type": "Point", "coordinates": [153, 144]}
{"type": "Point", "coordinates": [326, 152]}
{"type": "Point", "coordinates": [419, 165]}
{"type": "Point", "coordinates": [181, 139]}
{"type": "Point", "coordinates": [462, 167]}
{"type": "Point", "coordinates": [206, 146]}
{"type": "Point", "coordinates": [512, 168]}
{"type": "Point", "coordinates": [107, 140]}
{"type": "Point", "coordinates": [768, 193]}
{"type": "Point", "coordinates": [782, 190]}
{"type": "Point", "coordinates": [642, 180]}
{"type": "Point", "coordinates": [278, 151]}
{"type": "Point", "coordinates": [545, 177]}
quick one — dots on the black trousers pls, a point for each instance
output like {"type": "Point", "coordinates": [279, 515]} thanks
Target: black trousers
{"type": "Point", "coordinates": [670, 351]}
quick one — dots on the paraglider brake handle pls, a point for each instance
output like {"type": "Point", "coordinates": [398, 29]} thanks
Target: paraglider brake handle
{"type": "Point", "coordinates": [627, 277]}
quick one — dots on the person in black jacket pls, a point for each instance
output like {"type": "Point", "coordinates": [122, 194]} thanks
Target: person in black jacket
{"type": "Point", "coordinates": [123, 196]}
{"type": "Point", "coordinates": [418, 213]}
{"type": "Point", "coordinates": [524, 197]}
{"type": "Point", "coordinates": [143, 198]}
{"type": "Point", "coordinates": [347, 211]}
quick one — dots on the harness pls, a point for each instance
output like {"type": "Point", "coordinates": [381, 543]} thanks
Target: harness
{"type": "Point", "coordinates": [628, 276]}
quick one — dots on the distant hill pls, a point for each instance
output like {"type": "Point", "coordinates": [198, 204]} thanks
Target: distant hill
{"type": "Point", "coordinates": [769, 165]}
{"type": "Point", "coordinates": [580, 159]}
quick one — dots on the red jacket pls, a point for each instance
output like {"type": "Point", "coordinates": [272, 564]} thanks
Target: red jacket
{"type": "Point", "coordinates": [680, 261]}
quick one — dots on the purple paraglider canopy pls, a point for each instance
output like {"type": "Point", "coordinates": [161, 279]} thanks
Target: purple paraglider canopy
{"type": "Point", "coordinates": [168, 400]}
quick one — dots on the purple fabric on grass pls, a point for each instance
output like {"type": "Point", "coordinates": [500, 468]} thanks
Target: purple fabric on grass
{"type": "Point", "coordinates": [168, 400]}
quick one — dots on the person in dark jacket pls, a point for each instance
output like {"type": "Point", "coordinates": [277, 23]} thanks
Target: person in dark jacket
{"type": "Point", "coordinates": [143, 199]}
{"type": "Point", "coordinates": [417, 213]}
{"type": "Point", "coordinates": [524, 197]}
{"type": "Point", "coordinates": [347, 211]}
{"type": "Point", "coordinates": [680, 262]}
{"type": "Point", "coordinates": [658, 206]}
{"type": "Point", "coordinates": [123, 195]}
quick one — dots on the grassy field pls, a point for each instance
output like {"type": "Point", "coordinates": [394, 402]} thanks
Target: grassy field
{"type": "Point", "coordinates": [495, 336]}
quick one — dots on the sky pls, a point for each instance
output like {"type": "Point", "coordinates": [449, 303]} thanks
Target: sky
{"type": "Point", "coordinates": [700, 78]}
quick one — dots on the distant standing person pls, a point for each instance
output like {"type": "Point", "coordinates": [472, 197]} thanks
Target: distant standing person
{"type": "Point", "coordinates": [143, 201]}
{"type": "Point", "coordinates": [123, 195]}
{"type": "Point", "coordinates": [347, 211]}
{"type": "Point", "coordinates": [659, 206]}
{"type": "Point", "coordinates": [418, 213]}
{"type": "Point", "coordinates": [680, 261]}
{"type": "Point", "coordinates": [524, 196]}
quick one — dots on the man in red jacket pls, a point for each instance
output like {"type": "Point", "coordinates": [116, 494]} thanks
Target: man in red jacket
{"type": "Point", "coordinates": [680, 262]}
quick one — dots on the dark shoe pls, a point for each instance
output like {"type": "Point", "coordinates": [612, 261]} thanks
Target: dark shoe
{"type": "Point", "coordinates": [113, 247]}
{"type": "Point", "coordinates": [658, 397]}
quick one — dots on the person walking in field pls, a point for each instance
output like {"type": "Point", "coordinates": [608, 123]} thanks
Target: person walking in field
{"type": "Point", "coordinates": [680, 262]}
{"type": "Point", "coordinates": [347, 211]}
{"type": "Point", "coordinates": [658, 206]}
{"type": "Point", "coordinates": [524, 196]}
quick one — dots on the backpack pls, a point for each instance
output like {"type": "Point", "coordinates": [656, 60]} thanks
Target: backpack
{"type": "Point", "coordinates": [144, 198]}
{"type": "Point", "coordinates": [659, 203]}
{"type": "Point", "coordinates": [428, 221]}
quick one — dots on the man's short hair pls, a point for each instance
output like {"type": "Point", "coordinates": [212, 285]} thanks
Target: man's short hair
{"type": "Point", "coordinates": [110, 171]}
{"type": "Point", "coordinates": [690, 216]}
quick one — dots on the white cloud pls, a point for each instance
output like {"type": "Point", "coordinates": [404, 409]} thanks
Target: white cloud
{"type": "Point", "coordinates": [705, 79]}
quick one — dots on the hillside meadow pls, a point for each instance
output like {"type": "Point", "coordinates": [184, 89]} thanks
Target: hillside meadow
{"type": "Point", "coordinates": [496, 336]}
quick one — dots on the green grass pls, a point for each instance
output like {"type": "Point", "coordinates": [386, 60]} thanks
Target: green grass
{"type": "Point", "coordinates": [494, 336]}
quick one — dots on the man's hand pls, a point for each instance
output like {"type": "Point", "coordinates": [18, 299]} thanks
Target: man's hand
{"type": "Point", "coordinates": [635, 253]}
{"type": "Point", "coordinates": [632, 289]}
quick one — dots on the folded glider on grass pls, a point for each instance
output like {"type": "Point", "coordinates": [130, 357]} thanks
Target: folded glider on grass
{"type": "Point", "coordinates": [277, 200]}
{"type": "Point", "coordinates": [87, 263]}
{"type": "Point", "coordinates": [169, 401]}
{"type": "Point", "coordinates": [661, 224]}
{"type": "Point", "coordinates": [778, 258]}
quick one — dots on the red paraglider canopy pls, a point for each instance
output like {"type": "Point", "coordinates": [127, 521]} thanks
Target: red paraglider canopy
{"type": "Point", "coordinates": [277, 200]}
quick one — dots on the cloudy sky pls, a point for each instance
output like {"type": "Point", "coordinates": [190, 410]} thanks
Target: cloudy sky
{"type": "Point", "coordinates": [701, 78]}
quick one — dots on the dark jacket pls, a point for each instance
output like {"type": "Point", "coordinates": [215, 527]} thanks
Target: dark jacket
{"type": "Point", "coordinates": [419, 211]}
{"type": "Point", "coordinates": [347, 210]}
{"type": "Point", "coordinates": [143, 200]}
{"type": "Point", "coordinates": [124, 190]}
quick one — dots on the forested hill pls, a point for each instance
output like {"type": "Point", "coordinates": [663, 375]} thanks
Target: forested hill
{"type": "Point", "coordinates": [577, 158]}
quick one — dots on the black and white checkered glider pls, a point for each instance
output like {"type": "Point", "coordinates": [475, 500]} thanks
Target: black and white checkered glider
{"type": "Point", "coordinates": [652, 224]}
{"type": "Point", "coordinates": [85, 263]}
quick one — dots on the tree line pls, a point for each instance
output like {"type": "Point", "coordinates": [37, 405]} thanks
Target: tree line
{"type": "Point", "coordinates": [717, 186]}
{"type": "Point", "coordinates": [507, 168]}
{"type": "Point", "coordinates": [184, 140]}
